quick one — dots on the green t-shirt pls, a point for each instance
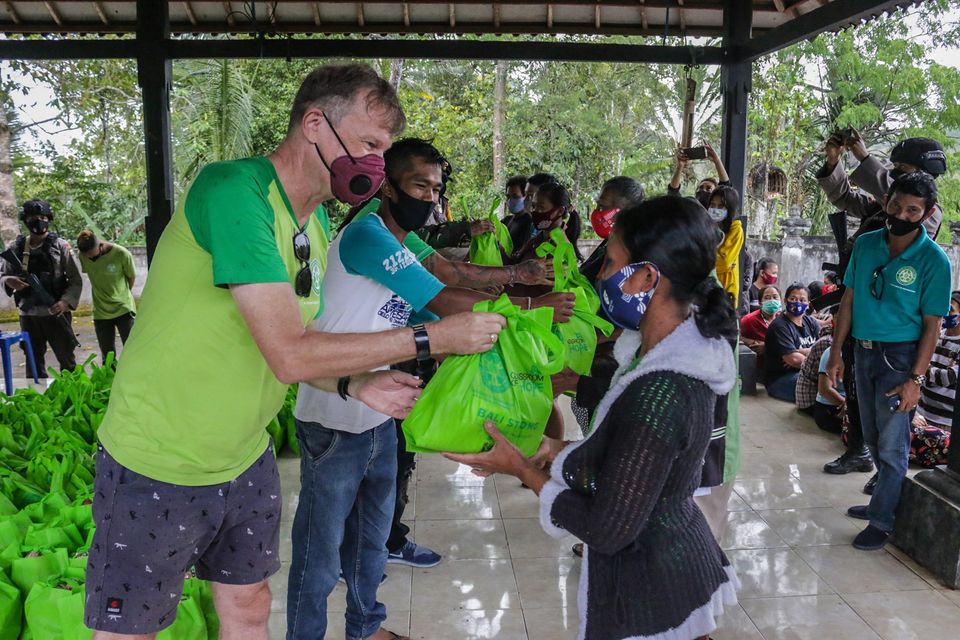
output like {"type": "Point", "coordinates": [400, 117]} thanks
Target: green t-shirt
{"type": "Point", "coordinates": [413, 242]}
{"type": "Point", "coordinates": [891, 296]}
{"type": "Point", "coordinates": [109, 279]}
{"type": "Point", "coordinates": [193, 394]}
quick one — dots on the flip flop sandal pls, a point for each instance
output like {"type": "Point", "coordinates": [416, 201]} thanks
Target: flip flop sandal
{"type": "Point", "coordinates": [394, 636]}
{"type": "Point", "coordinates": [578, 549]}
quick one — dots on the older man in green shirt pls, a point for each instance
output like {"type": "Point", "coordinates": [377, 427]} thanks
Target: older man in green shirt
{"type": "Point", "coordinates": [185, 473]}
{"type": "Point", "coordinates": [112, 274]}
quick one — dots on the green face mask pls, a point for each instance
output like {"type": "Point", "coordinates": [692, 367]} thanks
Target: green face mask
{"type": "Point", "coordinates": [770, 307]}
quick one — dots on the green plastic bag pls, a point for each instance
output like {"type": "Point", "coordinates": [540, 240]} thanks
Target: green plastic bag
{"type": "Point", "coordinates": [566, 271]}
{"type": "Point", "coordinates": [70, 613]}
{"type": "Point", "coordinates": [510, 385]}
{"type": "Point", "coordinates": [41, 609]}
{"type": "Point", "coordinates": [485, 248]}
{"type": "Point", "coordinates": [11, 609]}
{"type": "Point", "coordinates": [579, 335]}
{"type": "Point", "coordinates": [54, 537]}
{"type": "Point", "coordinates": [28, 571]}
{"type": "Point", "coordinates": [202, 592]}
{"type": "Point", "coordinates": [191, 624]}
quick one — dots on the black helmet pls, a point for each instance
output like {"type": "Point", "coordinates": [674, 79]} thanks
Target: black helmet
{"type": "Point", "coordinates": [36, 208]}
{"type": "Point", "coordinates": [921, 152]}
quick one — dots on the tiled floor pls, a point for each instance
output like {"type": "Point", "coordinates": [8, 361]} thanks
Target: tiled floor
{"type": "Point", "coordinates": [787, 535]}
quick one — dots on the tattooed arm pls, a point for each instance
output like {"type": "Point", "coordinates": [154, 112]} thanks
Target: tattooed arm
{"type": "Point", "coordinates": [473, 276]}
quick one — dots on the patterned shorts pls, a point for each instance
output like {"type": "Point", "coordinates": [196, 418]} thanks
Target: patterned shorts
{"type": "Point", "coordinates": [150, 533]}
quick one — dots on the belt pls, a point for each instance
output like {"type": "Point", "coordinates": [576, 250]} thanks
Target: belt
{"type": "Point", "coordinates": [876, 344]}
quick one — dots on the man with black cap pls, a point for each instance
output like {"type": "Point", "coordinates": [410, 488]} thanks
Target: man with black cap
{"type": "Point", "coordinates": [48, 257]}
{"type": "Point", "coordinates": [874, 178]}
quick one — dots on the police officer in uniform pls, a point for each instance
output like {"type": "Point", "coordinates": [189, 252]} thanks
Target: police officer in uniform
{"type": "Point", "coordinates": [51, 260]}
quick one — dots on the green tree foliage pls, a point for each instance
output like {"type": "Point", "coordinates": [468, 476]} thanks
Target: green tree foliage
{"type": "Point", "coordinates": [583, 122]}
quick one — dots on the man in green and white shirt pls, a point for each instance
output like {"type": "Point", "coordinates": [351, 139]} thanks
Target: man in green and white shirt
{"type": "Point", "coordinates": [185, 475]}
{"type": "Point", "coordinates": [112, 274]}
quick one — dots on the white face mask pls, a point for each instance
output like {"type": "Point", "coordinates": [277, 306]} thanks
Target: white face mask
{"type": "Point", "coordinates": [717, 214]}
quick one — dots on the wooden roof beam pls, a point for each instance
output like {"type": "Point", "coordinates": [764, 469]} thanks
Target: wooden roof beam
{"type": "Point", "coordinates": [191, 16]}
{"type": "Point", "coordinates": [644, 22]}
{"type": "Point", "coordinates": [361, 18]}
{"type": "Point", "coordinates": [496, 15]}
{"type": "Point", "coordinates": [100, 12]}
{"type": "Point", "coordinates": [452, 8]}
{"type": "Point", "coordinates": [683, 18]}
{"type": "Point", "coordinates": [228, 10]}
{"type": "Point", "coordinates": [53, 13]}
{"type": "Point", "coordinates": [316, 13]}
{"type": "Point", "coordinates": [549, 15]}
{"type": "Point", "coordinates": [406, 14]}
{"type": "Point", "coordinates": [12, 13]}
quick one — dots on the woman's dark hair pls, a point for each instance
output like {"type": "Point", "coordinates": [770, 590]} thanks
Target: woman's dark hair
{"type": "Point", "coordinates": [830, 277]}
{"type": "Point", "coordinates": [540, 179]}
{"type": "Point", "coordinates": [572, 230]}
{"type": "Point", "coordinates": [762, 265]}
{"type": "Point", "coordinates": [555, 193]}
{"type": "Point", "coordinates": [672, 233]}
{"type": "Point", "coordinates": [796, 286]}
{"type": "Point", "coordinates": [731, 202]}
{"type": "Point", "coordinates": [517, 181]}
{"type": "Point", "coordinates": [764, 288]}
{"type": "Point", "coordinates": [815, 289]}
{"type": "Point", "coordinates": [625, 191]}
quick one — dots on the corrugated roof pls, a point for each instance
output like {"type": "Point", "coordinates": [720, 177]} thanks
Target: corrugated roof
{"type": "Point", "coordinates": [607, 17]}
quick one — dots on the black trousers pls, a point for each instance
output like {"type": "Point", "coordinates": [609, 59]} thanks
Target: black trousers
{"type": "Point", "coordinates": [50, 330]}
{"type": "Point", "coordinates": [107, 331]}
{"type": "Point", "coordinates": [406, 463]}
{"type": "Point", "coordinates": [827, 417]}
{"type": "Point", "coordinates": [855, 429]}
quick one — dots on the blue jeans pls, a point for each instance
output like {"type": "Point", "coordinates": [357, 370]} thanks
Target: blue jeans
{"type": "Point", "coordinates": [343, 519]}
{"type": "Point", "coordinates": [886, 432]}
{"type": "Point", "coordinates": [785, 387]}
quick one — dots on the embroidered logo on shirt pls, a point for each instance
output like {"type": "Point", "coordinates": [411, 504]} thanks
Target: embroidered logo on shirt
{"type": "Point", "coordinates": [906, 275]}
{"type": "Point", "coordinates": [111, 268]}
{"type": "Point", "coordinates": [399, 260]}
{"type": "Point", "coordinates": [396, 311]}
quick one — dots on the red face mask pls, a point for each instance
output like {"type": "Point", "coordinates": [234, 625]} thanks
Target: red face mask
{"type": "Point", "coordinates": [767, 278]}
{"type": "Point", "coordinates": [829, 288]}
{"type": "Point", "coordinates": [602, 221]}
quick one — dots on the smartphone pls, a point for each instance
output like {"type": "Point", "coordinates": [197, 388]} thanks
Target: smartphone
{"type": "Point", "coordinates": [696, 153]}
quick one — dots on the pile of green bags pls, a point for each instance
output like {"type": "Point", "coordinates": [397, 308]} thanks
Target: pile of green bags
{"type": "Point", "coordinates": [485, 248]}
{"type": "Point", "coordinates": [509, 384]}
{"type": "Point", "coordinates": [47, 447]}
{"type": "Point", "coordinates": [579, 335]}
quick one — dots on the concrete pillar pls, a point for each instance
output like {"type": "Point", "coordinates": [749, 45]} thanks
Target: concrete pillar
{"type": "Point", "coordinates": [791, 256]}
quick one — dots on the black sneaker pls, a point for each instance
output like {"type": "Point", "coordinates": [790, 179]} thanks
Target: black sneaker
{"type": "Point", "coordinates": [850, 461]}
{"type": "Point", "coordinates": [871, 484]}
{"type": "Point", "coordinates": [859, 512]}
{"type": "Point", "coordinates": [870, 539]}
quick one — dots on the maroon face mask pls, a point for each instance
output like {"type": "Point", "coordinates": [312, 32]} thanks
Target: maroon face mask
{"type": "Point", "coordinates": [546, 219]}
{"type": "Point", "coordinates": [353, 180]}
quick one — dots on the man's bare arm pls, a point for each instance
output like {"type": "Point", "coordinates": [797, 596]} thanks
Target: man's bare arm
{"type": "Point", "coordinates": [474, 276]}
{"type": "Point", "coordinates": [295, 354]}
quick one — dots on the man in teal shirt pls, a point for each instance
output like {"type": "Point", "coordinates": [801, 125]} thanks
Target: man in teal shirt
{"type": "Point", "coordinates": [898, 289]}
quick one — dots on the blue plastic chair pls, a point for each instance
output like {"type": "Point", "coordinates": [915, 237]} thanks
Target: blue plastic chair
{"type": "Point", "coordinates": [7, 340]}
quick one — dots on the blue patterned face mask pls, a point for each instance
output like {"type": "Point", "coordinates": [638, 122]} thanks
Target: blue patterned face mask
{"type": "Point", "coordinates": [625, 309]}
{"type": "Point", "coordinates": [951, 321]}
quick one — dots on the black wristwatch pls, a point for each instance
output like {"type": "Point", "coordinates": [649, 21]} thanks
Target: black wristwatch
{"type": "Point", "coordinates": [422, 340]}
{"type": "Point", "coordinates": [343, 386]}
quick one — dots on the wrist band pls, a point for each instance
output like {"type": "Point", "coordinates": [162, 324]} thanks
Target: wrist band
{"type": "Point", "coordinates": [529, 303]}
{"type": "Point", "coordinates": [343, 384]}
{"type": "Point", "coordinates": [422, 340]}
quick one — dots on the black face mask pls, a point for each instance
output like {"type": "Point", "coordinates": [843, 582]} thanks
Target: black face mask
{"type": "Point", "coordinates": [38, 225]}
{"type": "Point", "coordinates": [409, 213]}
{"type": "Point", "coordinates": [703, 197]}
{"type": "Point", "coordinates": [899, 227]}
